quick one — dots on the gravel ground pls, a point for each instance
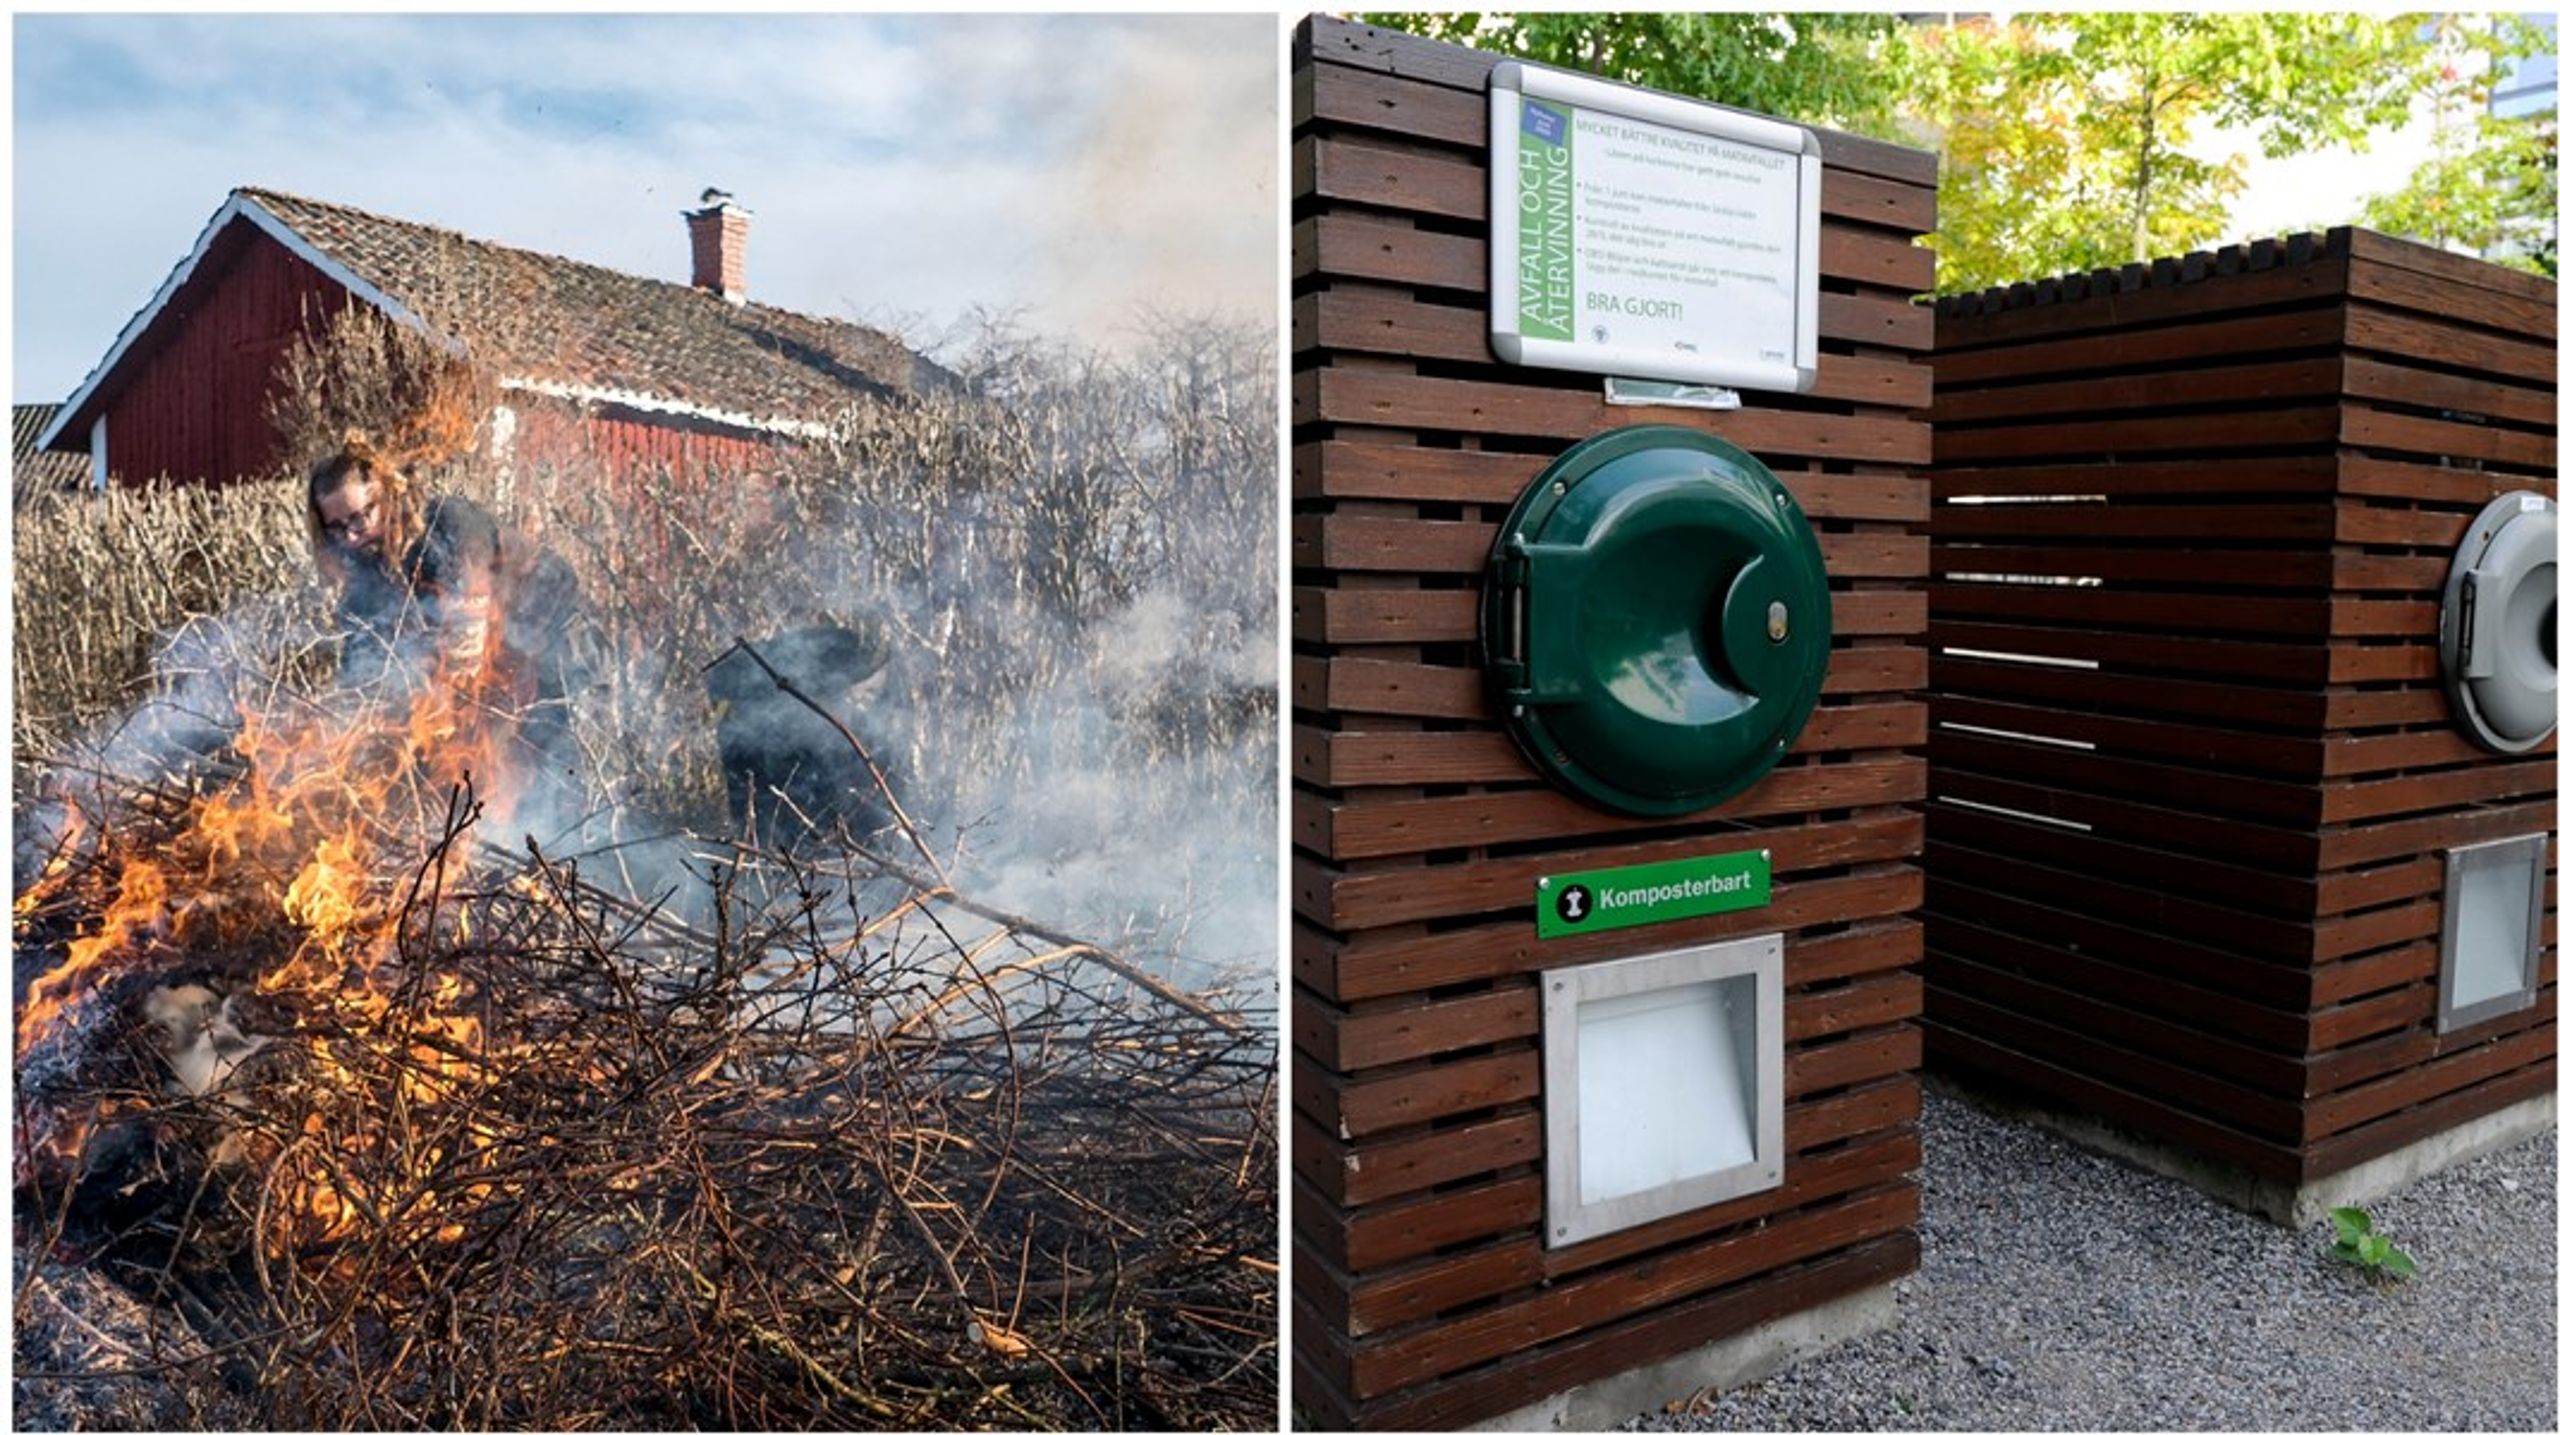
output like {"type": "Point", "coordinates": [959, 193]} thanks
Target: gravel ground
{"type": "Point", "coordinates": [2061, 1290]}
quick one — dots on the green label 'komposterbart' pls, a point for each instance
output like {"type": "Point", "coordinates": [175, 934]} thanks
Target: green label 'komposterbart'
{"type": "Point", "coordinates": [1576, 902]}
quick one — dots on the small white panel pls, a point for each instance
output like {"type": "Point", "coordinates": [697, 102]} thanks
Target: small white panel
{"type": "Point", "coordinates": [2491, 943]}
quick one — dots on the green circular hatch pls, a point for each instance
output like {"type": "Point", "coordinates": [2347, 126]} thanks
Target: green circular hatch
{"type": "Point", "coordinates": [1657, 620]}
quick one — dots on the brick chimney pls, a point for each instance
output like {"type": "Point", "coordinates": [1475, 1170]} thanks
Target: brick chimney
{"type": "Point", "coordinates": [719, 230]}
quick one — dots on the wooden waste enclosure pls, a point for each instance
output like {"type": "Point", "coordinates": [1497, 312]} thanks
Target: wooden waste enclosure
{"type": "Point", "coordinates": [1423, 1292]}
{"type": "Point", "coordinates": [2193, 774]}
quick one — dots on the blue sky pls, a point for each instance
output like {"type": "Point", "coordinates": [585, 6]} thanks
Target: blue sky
{"type": "Point", "coordinates": [901, 168]}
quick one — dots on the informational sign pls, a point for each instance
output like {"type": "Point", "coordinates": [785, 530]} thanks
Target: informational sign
{"type": "Point", "coordinates": [1572, 903]}
{"type": "Point", "coordinates": [1651, 237]}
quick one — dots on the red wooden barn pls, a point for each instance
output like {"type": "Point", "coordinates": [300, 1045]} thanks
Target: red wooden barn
{"type": "Point", "coordinates": [637, 370]}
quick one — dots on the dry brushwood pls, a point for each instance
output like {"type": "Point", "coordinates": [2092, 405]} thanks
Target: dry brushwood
{"type": "Point", "coordinates": [578, 1164]}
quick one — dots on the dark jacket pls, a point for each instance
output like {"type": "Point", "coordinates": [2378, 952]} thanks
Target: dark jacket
{"type": "Point", "coordinates": [791, 775]}
{"type": "Point", "coordinates": [548, 649]}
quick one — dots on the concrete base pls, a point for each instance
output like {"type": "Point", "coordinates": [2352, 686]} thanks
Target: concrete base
{"type": "Point", "coordinates": [1719, 1365]}
{"type": "Point", "coordinates": [2285, 1204]}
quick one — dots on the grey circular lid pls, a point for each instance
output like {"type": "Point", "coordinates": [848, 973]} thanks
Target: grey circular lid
{"type": "Point", "coordinates": [2497, 627]}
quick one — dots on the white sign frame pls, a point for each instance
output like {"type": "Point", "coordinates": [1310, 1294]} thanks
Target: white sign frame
{"type": "Point", "coordinates": [1512, 83]}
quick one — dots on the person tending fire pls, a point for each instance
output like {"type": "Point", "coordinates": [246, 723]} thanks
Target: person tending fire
{"type": "Point", "coordinates": [435, 586]}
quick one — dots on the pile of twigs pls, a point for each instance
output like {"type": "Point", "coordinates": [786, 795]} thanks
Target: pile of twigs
{"type": "Point", "coordinates": [840, 1150]}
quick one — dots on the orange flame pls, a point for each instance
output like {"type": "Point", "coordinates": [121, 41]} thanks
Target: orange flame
{"type": "Point", "coordinates": [332, 817]}
{"type": "Point", "coordinates": [57, 868]}
{"type": "Point", "coordinates": [141, 900]}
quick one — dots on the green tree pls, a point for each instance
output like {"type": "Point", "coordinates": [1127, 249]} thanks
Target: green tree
{"type": "Point", "coordinates": [2486, 184]}
{"type": "Point", "coordinates": [1831, 70]}
{"type": "Point", "coordinates": [2072, 141]}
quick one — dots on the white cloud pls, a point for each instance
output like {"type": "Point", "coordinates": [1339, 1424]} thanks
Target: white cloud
{"type": "Point", "coordinates": [1076, 167]}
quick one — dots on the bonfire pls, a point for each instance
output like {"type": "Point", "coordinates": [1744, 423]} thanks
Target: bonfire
{"type": "Point", "coordinates": [358, 1103]}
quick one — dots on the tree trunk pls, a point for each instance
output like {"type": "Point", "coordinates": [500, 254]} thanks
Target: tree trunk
{"type": "Point", "coordinates": [2142, 173]}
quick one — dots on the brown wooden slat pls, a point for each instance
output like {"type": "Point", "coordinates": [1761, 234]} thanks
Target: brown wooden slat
{"type": "Point", "coordinates": [2454, 294]}
{"type": "Point", "coordinates": [1356, 246]}
{"type": "Point", "coordinates": [2352, 1148]}
{"type": "Point", "coordinates": [1357, 544]}
{"type": "Point", "coordinates": [1379, 829]}
{"type": "Point", "coordinates": [2266, 800]}
{"type": "Point", "coordinates": [2120, 523]}
{"type": "Point", "coordinates": [2147, 823]}
{"type": "Point", "coordinates": [2345, 1066]}
{"type": "Point", "coordinates": [1392, 1362]}
{"type": "Point", "coordinates": [1405, 616]}
{"type": "Point", "coordinates": [1387, 1232]}
{"type": "Point", "coordinates": [2230, 384]}
{"type": "Point", "coordinates": [1351, 901]}
{"type": "Point", "coordinates": [2133, 902]}
{"type": "Point", "coordinates": [1351, 684]}
{"type": "Point", "coordinates": [2199, 613]}
{"type": "Point", "coordinates": [2031, 917]}
{"type": "Point", "coordinates": [1401, 1166]}
{"type": "Point", "coordinates": [2195, 698]}
{"type": "Point", "coordinates": [2275, 1028]}
{"type": "Point", "coordinates": [1888, 261]}
{"type": "Point", "coordinates": [2366, 475]}
{"type": "Point", "coordinates": [2505, 448]}
{"type": "Point", "coordinates": [2226, 478]}
{"type": "Point", "coordinates": [2532, 291]}
{"type": "Point", "coordinates": [2373, 379]}
{"type": "Point", "coordinates": [2202, 341]}
{"type": "Point", "coordinates": [2470, 786]}
{"type": "Point", "coordinates": [1645, 1339]}
{"type": "Point", "coordinates": [1401, 1298]}
{"type": "Point", "coordinates": [1379, 1036]}
{"type": "Point", "coordinates": [2068, 1005]}
{"type": "Point", "coordinates": [1336, 469]}
{"type": "Point", "coordinates": [1357, 1108]}
{"type": "Point", "coordinates": [2061, 1082]}
{"type": "Point", "coordinates": [2345, 756]}
{"type": "Point", "coordinates": [2205, 876]}
{"type": "Point", "coordinates": [1410, 401]}
{"type": "Point", "coordinates": [2149, 653]}
{"type": "Point", "coordinates": [2136, 1071]}
{"type": "Point", "coordinates": [1398, 758]}
{"type": "Point", "coordinates": [2257, 429]}
{"type": "Point", "coordinates": [2418, 337]}
{"type": "Point", "coordinates": [1386, 965]}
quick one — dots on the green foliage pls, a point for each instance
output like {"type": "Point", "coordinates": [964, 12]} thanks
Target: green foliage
{"type": "Point", "coordinates": [2359, 1245]}
{"type": "Point", "coordinates": [2076, 141]}
{"type": "Point", "coordinates": [2486, 183]}
{"type": "Point", "coordinates": [1831, 70]}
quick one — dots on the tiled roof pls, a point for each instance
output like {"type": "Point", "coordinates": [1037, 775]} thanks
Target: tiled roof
{"type": "Point", "coordinates": [32, 471]}
{"type": "Point", "coordinates": [558, 321]}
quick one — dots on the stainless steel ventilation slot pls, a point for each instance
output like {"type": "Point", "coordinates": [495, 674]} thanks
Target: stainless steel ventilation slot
{"type": "Point", "coordinates": [1664, 1084]}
